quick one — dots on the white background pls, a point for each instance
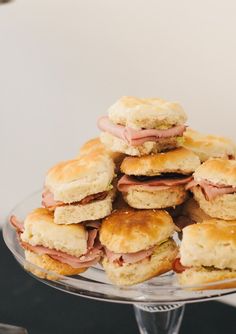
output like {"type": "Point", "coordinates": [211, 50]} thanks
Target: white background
{"type": "Point", "coordinates": [62, 63]}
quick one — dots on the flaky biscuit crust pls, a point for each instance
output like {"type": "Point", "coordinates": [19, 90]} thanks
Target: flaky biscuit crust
{"type": "Point", "coordinates": [40, 230]}
{"type": "Point", "coordinates": [148, 113]}
{"type": "Point", "coordinates": [179, 160]}
{"type": "Point", "coordinates": [210, 243]}
{"type": "Point", "coordinates": [140, 197]}
{"type": "Point", "coordinates": [71, 181]}
{"type": "Point", "coordinates": [223, 207]}
{"type": "Point", "coordinates": [208, 146]}
{"type": "Point", "coordinates": [128, 231]}
{"type": "Point", "coordinates": [201, 276]}
{"type": "Point", "coordinates": [217, 171]}
{"type": "Point", "coordinates": [48, 264]}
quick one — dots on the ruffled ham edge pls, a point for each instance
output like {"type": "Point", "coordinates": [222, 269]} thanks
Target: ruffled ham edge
{"type": "Point", "coordinates": [138, 137]}
{"type": "Point", "coordinates": [178, 267]}
{"type": "Point", "coordinates": [50, 203]}
{"type": "Point", "coordinates": [155, 183]}
{"type": "Point", "coordinates": [91, 257]}
{"type": "Point", "coordinates": [211, 190]}
{"type": "Point", "coordinates": [128, 258]}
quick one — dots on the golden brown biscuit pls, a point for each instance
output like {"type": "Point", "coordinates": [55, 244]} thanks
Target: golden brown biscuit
{"type": "Point", "coordinates": [208, 253]}
{"type": "Point", "coordinates": [209, 146]}
{"type": "Point", "coordinates": [217, 171]}
{"type": "Point", "coordinates": [202, 276]}
{"type": "Point", "coordinates": [210, 243]}
{"type": "Point", "coordinates": [40, 229]}
{"type": "Point", "coordinates": [179, 160]}
{"type": "Point", "coordinates": [148, 113]}
{"type": "Point", "coordinates": [129, 231]}
{"type": "Point", "coordinates": [48, 264]}
{"type": "Point", "coordinates": [95, 145]}
{"type": "Point", "coordinates": [73, 180]}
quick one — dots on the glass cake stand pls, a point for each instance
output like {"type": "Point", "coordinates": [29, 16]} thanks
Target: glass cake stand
{"type": "Point", "coordinates": [158, 303]}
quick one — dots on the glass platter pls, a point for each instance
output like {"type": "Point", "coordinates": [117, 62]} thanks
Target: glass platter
{"type": "Point", "coordinates": [94, 284]}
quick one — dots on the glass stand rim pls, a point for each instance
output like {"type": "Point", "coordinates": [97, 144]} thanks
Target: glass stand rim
{"type": "Point", "coordinates": [94, 284]}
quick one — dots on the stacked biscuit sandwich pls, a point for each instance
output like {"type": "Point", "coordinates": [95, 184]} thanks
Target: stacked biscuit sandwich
{"type": "Point", "coordinates": [115, 204]}
{"type": "Point", "coordinates": [208, 247]}
{"type": "Point", "coordinates": [63, 235]}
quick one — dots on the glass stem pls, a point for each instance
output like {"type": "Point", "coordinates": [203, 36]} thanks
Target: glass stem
{"type": "Point", "coordinates": [159, 319]}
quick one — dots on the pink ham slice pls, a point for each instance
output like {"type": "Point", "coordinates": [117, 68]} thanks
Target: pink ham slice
{"type": "Point", "coordinates": [92, 256]}
{"type": "Point", "coordinates": [48, 200]}
{"type": "Point", "coordinates": [178, 267]}
{"type": "Point", "coordinates": [76, 264]}
{"type": "Point", "coordinates": [210, 190]}
{"type": "Point", "coordinates": [18, 225]}
{"type": "Point", "coordinates": [128, 257]}
{"type": "Point", "coordinates": [191, 184]}
{"type": "Point", "coordinates": [92, 228]}
{"type": "Point", "coordinates": [138, 137]}
{"type": "Point", "coordinates": [92, 235]}
{"type": "Point", "coordinates": [155, 183]}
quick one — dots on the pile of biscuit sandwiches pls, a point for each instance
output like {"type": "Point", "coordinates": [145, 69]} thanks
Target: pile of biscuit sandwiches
{"type": "Point", "coordinates": [121, 202]}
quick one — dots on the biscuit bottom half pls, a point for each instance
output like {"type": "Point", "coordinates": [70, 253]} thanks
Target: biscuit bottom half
{"type": "Point", "coordinates": [204, 275]}
{"type": "Point", "coordinates": [140, 197]}
{"type": "Point", "coordinates": [48, 264]}
{"type": "Point", "coordinates": [118, 145]}
{"type": "Point", "coordinates": [158, 263]}
{"type": "Point", "coordinates": [223, 207]}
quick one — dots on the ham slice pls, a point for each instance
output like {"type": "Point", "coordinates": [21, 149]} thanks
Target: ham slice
{"type": "Point", "coordinates": [178, 267]}
{"type": "Point", "coordinates": [85, 260]}
{"type": "Point", "coordinates": [92, 234]}
{"type": "Point", "coordinates": [48, 200]}
{"type": "Point", "coordinates": [94, 197]}
{"type": "Point", "coordinates": [138, 137]}
{"type": "Point", "coordinates": [18, 225]}
{"type": "Point", "coordinates": [191, 184]}
{"type": "Point", "coordinates": [211, 190]}
{"type": "Point", "coordinates": [121, 258]}
{"type": "Point", "coordinates": [74, 263]}
{"type": "Point", "coordinates": [158, 182]}
{"type": "Point", "coordinates": [91, 257]}
{"type": "Point", "coordinates": [50, 203]}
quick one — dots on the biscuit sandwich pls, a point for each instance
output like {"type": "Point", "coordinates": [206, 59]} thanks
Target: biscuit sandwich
{"type": "Point", "coordinates": [207, 254]}
{"type": "Point", "coordinates": [214, 188]}
{"type": "Point", "coordinates": [209, 146]}
{"type": "Point", "coordinates": [80, 189]}
{"type": "Point", "coordinates": [138, 127]}
{"type": "Point", "coordinates": [138, 245]}
{"type": "Point", "coordinates": [62, 249]}
{"type": "Point", "coordinates": [157, 181]}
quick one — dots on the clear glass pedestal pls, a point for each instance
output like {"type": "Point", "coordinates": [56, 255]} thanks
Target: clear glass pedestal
{"type": "Point", "coordinates": [159, 319]}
